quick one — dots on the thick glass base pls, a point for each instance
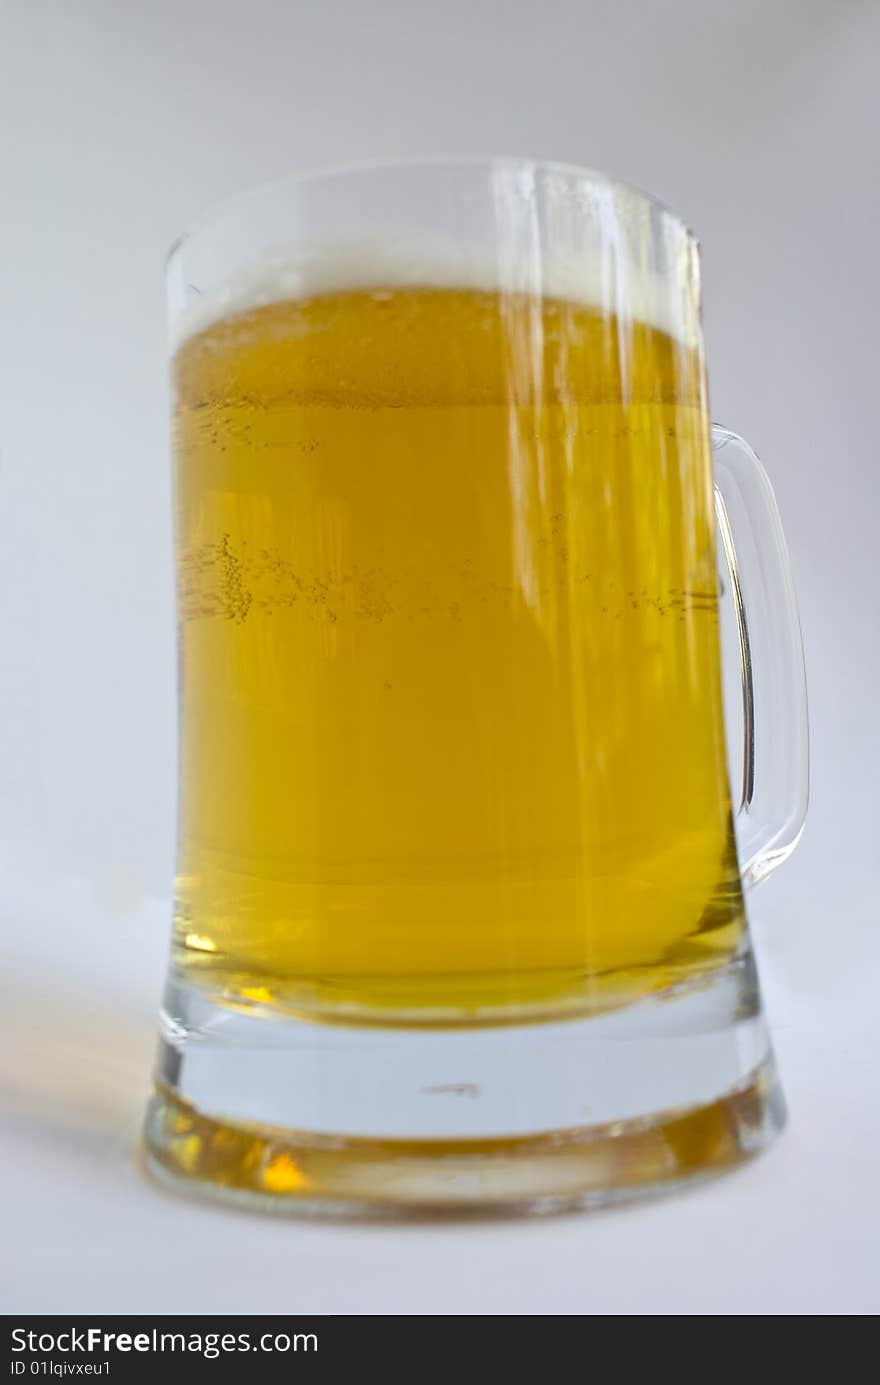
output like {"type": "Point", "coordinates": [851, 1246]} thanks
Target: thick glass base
{"type": "Point", "coordinates": [297, 1117]}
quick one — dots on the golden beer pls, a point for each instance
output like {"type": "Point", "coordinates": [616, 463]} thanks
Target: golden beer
{"type": "Point", "coordinates": [452, 740]}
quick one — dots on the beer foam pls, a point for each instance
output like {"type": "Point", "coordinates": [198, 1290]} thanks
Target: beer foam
{"type": "Point", "coordinates": [601, 279]}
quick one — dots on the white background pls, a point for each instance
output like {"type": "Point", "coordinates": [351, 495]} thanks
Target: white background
{"type": "Point", "coordinates": [121, 121]}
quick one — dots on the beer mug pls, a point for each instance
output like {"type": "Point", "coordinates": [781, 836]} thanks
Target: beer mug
{"type": "Point", "coordinates": [459, 915]}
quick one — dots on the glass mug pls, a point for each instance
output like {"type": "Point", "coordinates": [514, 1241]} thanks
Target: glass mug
{"type": "Point", "coordinates": [459, 919]}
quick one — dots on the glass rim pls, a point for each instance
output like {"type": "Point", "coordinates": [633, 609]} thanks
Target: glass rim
{"type": "Point", "coordinates": [215, 211]}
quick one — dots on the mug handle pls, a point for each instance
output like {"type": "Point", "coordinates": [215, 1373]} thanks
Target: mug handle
{"type": "Point", "coordinates": [775, 773]}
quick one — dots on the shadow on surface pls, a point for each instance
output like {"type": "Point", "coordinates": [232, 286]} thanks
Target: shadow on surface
{"type": "Point", "coordinates": [75, 1069]}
